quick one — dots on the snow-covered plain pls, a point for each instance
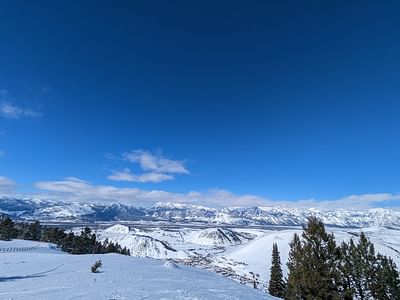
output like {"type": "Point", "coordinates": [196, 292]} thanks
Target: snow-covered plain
{"type": "Point", "coordinates": [32, 270]}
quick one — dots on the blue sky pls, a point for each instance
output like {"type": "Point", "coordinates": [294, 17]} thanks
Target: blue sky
{"type": "Point", "coordinates": [210, 102]}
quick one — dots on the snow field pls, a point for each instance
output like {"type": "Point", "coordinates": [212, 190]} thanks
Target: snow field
{"type": "Point", "coordinates": [52, 274]}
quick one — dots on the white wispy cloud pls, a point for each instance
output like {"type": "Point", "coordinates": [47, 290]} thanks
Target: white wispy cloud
{"type": "Point", "coordinates": [356, 201]}
{"type": "Point", "coordinates": [127, 175]}
{"type": "Point", "coordinates": [6, 184]}
{"type": "Point", "coordinates": [75, 189]}
{"type": "Point", "coordinates": [71, 189]}
{"type": "Point", "coordinates": [2, 153]}
{"type": "Point", "coordinates": [156, 168]}
{"type": "Point", "coordinates": [12, 111]}
{"type": "Point", "coordinates": [156, 163]}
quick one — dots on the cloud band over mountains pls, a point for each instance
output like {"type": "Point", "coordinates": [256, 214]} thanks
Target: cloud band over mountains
{"type": "Point", "coordinates": [72, 189]}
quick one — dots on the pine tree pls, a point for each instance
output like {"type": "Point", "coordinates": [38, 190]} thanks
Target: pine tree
{"type": "Point", "coordinates": [87, 241]}
{"type": "Point", "coordinates": [276, 285]}
{"type": "Point", "coordinates": [319, 251]}
{"type": "Point", "coordinates": [295, 262]}
{"type": "Point", "coordinates": [386, 283]}
{"type": "Point", "coordinates": [53, 235]}
{"type": "Point", "coordinates": [312, 264]}
{"type": "Point", "coordinates": [363, 271]}
{"type": "Point", "coordinates": [345, 267]}
{"type": "Point", "coordinates": [7, 229]}
{"type": "Point", "coordinates": [68, 244]}
{"type": "Point", "coordinates": [33, 231]}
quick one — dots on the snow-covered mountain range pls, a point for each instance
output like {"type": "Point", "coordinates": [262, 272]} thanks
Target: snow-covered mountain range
{"type": "Point", "coordinates": [172, 212]}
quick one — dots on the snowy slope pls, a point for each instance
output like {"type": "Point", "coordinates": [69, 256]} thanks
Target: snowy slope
{"type": "Point", "coordinates": [217, 237]}
{"type": "Point", "coordinates": [117, 229]}
{"type": "Point", "coordinates": [179, 243]}
{"type": "Point", "coordinates": [234, 252]}
{"type": "Point", "coordinates": [51, 274]}
{"type": "Point", "coordinates": [255, 255]}
{"type": "Point", "coordinates": [27, 246]}
{"type": "Point", "coordinates": [139, 244]}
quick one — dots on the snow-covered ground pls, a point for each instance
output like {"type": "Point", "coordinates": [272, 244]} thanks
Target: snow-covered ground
{"type": "Point", "coordinates": [255, 255]}
{"type": "Point", "coordinates": [32, 270]}
{"type": "Point", "coordinates": [233, 252]}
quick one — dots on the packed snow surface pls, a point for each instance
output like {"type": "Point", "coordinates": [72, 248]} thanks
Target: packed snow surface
{"type": "Point", "coordinates": [46, 274]}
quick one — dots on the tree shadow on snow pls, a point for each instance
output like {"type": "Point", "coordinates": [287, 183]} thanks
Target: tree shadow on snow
{"type": "Point", "coordinates": [35, 275]}
{"type": "Point", "coordinates": [12, 278]}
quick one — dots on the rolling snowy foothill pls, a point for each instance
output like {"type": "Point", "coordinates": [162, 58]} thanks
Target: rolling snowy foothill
{"type": "Point", "coordinates": [235, 252]}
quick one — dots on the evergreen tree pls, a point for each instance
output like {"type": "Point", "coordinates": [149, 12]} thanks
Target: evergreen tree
{"type": "Point", "coordinates": [313, 261]}
{"type": "Point", "coordinates": [33, 231]}
{"type": "Point", "coordinates": [110, 248]}
{"type": "Point", "coordinates": [86, 242]}
{"type": "Point", "coordinates": [53, 235]}
{"type": "Point", "coordinates": [68, 244]}
{"type": "Point", "coordinates": [104, 246]}
{"type": "Point", "coordinates": [365, 275]}
{"type": "Point", "coordinates": [319, 252]}
{"type": "Point", "coordinates": [7, 229]}
{"type": "Point", "coordinates": [363, 268]}
{"type": "Point", "coordinates": [386, 283]}
{"type": "Point", "coordinates": [276, 285]}
{"type": "Point", "coordinates": [294, 287]}
{"type": "Point", "coordinates": [345, 267]}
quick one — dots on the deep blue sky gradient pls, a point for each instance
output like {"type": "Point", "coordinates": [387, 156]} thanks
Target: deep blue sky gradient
{"type": "Point", "coordinates": [281, 99]}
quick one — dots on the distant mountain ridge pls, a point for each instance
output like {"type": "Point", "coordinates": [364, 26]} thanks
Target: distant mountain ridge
{"type": "Point", "coordinates": [31, 208]}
